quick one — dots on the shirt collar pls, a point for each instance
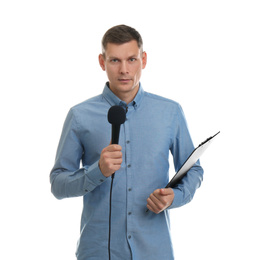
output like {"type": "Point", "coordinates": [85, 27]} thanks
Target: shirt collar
{"type": "Point", "coordinates": [113, 100]}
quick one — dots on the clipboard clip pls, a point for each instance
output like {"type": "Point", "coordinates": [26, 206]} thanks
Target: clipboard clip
{"type": "Point", "coordinates": [209, 138]}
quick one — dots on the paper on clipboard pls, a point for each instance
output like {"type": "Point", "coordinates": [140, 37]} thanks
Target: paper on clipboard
{"type": "Point", "coordinates": [191, 160]}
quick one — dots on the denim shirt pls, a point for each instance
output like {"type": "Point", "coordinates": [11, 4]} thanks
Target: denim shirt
{"type": "Point", "coordinates": [155, 128]}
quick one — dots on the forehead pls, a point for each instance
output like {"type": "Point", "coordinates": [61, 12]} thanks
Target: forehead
{"type": "Point", "coordinates": [122, 50]}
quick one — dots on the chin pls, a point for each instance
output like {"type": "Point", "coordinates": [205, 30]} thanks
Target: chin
{"type": "Point", "coordinates": [125, 86]}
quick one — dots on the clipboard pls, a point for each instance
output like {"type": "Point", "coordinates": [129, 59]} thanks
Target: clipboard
{"type": "Point", "coordinates": [191, 160]}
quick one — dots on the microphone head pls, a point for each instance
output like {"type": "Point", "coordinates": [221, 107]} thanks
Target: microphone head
{"type": "Point", "coordinates": [116, 115]}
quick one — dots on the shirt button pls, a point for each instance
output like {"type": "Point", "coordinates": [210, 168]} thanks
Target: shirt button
{"type": "Point", "coordinates": [129, 237]}
{"type": "Point", "coordinates": [127, 141]}
{"type": "Point", "coordinates": [101, 180]}
{"type": "Point", "coordinates": [129, 189]}
{"type": "Point", "coordinates": [129, 213]}
{"type": "Point", "coordinates": [129, 165]}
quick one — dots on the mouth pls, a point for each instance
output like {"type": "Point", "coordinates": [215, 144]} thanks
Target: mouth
{"type": "Point", "coordinates": [124, 80]}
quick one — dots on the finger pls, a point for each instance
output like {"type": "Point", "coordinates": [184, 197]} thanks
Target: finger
{"type": "Point", "coordinates": [114, 155]}
{"type": "Point", "coordinates": [156, 193]}
{"type": "Point", "coordinates": [111, 154]}
{"type": "Point", "coordinates": [155, 203]}
{"type": "Point", "coordinates": [151, 206]}
{"type": "Point", "coordinates": [114, 147]}
{"type": "Point", "coordinates": [167, 196]}
{"type": "Point", "coordinates": [166, 192]}
{"type": "Point", "coordinates": [117, 161]}
{"type": "Point", "coordinates": [110, 167]}
{"type": "Point", "coordinates": [116, 167]}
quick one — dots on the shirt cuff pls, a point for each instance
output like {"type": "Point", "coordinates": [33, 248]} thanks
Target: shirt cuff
{"type": "Point", "coordinates": [93, 177]}
{"type": "Point", "coordinates": [178, 200]}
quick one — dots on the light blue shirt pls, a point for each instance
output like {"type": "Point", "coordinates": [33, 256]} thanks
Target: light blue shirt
{"type": "Point", "coordinates": [154, 128]}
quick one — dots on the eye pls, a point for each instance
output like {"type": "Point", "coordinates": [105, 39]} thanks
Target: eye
{"type": "Point", "coordinates": [132, 59]}
{"type": "Point", "coordinates": [114, 60]}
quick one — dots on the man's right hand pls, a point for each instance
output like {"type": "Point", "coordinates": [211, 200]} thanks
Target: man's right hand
{"type": "Point", "coordinates": [110, 159]}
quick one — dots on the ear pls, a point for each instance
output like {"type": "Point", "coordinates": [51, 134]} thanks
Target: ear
{"type": "Point", "coordinates": [144, 59]}
{"type": "Point", "coordinates": [102, 61]}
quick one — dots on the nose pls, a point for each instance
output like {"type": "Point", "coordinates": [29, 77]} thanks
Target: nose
{"type": "Point", "coordinates": [123, 68]}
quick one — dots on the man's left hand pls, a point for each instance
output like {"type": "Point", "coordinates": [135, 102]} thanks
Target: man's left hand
{"type": "Point", "coordinates": [160, 200]}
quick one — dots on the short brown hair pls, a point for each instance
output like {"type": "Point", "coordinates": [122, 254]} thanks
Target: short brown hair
{"type": "Point", "coordinates": [121, 34]}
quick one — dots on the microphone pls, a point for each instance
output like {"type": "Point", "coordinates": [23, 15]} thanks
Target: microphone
{"type": "Point", "coordinates": [116, 116]}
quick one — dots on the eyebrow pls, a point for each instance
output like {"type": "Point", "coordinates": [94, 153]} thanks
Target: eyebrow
{"type": "Point", "coordinates": [114, 57]}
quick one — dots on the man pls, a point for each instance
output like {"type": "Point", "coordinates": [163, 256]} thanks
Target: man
{"type": "Point", "coordinates": [153, 127]}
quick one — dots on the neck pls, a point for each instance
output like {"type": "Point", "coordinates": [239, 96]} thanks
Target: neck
{"type": "Point", "coordinates": [126, 96]}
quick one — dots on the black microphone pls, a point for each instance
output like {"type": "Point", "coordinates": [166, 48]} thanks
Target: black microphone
{"type": "Point", "coordinates": [116, 116]}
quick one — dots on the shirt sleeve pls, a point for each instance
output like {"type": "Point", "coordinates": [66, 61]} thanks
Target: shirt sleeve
{"type": "Point", "coordinates": [181, 149]}
{"type": "Point", "coordinates": [67, 179]}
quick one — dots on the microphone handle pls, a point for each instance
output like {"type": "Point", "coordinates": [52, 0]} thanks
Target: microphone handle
{"type": "Point", "coordinates": [115, 138]}
{"type": "Point", "coordinates": [115, 134]}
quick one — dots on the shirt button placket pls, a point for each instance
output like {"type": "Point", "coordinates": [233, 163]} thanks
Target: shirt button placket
{"type": "Point", "coordinates": [129, 181]}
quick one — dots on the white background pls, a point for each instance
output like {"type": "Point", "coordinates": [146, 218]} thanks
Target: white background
{"type": "Point", "coordinates": [203, 54]}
